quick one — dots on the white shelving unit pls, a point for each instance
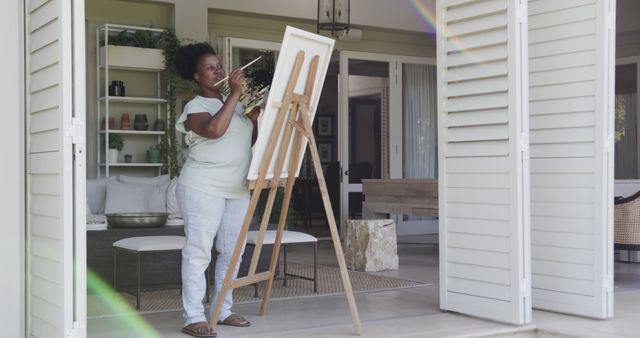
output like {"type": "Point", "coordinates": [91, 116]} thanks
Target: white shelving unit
{"type": "Point", "coordinates": [132, 99]}
{"type": "Point", "coordinates": [119, 164]}
{"type": "Point", "coordinates": [134, 60]}
{"type": "Point", "coordinates": [133, 132]}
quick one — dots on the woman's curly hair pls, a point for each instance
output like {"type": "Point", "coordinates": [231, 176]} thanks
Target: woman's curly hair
{"type": "Point", "coordinates": [187, 57]}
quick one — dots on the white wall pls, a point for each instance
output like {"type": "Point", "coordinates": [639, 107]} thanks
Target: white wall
{"type": "Point", "coordinates": [12, 206]}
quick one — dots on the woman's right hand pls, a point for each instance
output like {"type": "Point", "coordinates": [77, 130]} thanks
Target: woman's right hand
{"type": "Point", "coordinates": [236, 81]}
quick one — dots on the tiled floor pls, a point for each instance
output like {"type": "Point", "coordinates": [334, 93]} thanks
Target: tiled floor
{"type": "Point", "coordinates": [397, 313]}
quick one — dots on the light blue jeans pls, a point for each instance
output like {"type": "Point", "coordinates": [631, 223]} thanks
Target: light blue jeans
{"type": "Point", "coordinates": [206, 216]}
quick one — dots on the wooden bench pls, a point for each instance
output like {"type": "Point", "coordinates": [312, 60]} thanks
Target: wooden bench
{"type": "Point", "coordinates": [162, 270]}
{"type": "Point", "coordinates": [417, 197]}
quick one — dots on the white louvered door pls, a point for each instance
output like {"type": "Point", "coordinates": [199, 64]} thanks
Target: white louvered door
{"type": "Point", "coordinates": [571, 64]}
{"type": "Point", "coordinates": [483, 159]}
{"type": "Point", "coordinates": [56, 288]}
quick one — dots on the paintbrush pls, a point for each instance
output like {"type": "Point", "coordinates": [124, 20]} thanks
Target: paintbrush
{"type": "Point", "coordinates": [243, 67]}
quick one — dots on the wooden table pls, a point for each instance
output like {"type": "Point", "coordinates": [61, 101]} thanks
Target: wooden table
{"type": "Point", "coordinates": [418, 197]}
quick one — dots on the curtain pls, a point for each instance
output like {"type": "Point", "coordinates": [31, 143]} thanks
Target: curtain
{"type": "Point", "coordinates": [626, 148]}
{"type": "Point", "coordinates": [419, 101]}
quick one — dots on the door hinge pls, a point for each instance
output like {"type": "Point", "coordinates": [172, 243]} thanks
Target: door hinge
{"type": "Point", "coordinates": [611, 20]}
{"type": "Point", "coordinates": [396, 72]}
{"type": "Point", "coordinates": [608, 283]}
{"type": "Point", "coordinates": [610, 146]}
{"type": "Point", "coordinates": [522, 14]}
{"type": "Point", "coordinates": [76, 131]}
{"type": "Point", "coordinates": [524, 142]}
{"type": "Point", "coordinates": [526, 288]}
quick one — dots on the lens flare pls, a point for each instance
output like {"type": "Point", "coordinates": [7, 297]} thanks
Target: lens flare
{"type": "Point", "coordinates": [465, 49]}
{"type": "Point", "coordinates": [428, 15]}
{"type": "Point", "coordinates": [131, 321]}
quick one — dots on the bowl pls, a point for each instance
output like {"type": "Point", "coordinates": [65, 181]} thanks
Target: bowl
{"type": "Point", "coordinates": [137, 220]}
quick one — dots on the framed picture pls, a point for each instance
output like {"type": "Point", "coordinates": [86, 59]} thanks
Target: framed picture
{"type": "Point", "coordinates": [325, 125]}
{"type": "Point", "coordinates": [325, 151]}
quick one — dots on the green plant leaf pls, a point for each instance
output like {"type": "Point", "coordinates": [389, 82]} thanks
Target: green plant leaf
{"type": "Point", "coordinates": [176, 87]}
{"type": "Point", "coordinates": [292, 215]}
{"type": "Point", "coordinates": [116, 142]}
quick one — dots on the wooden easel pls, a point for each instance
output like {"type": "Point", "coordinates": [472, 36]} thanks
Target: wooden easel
{"type": "Point", "coordinates": [295, 109]}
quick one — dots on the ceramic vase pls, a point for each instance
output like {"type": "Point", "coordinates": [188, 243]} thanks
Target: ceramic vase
{"type": "Point", "coordinates": [125, 123]}
{"type": "Point", "coordinates": [153, 155]}
{"type": "Point", "coordinates": [140, 122]}
{"type": "Point", "coordinates": [158, 125]}
{"type": "Point", "coordinates": [112, 123]}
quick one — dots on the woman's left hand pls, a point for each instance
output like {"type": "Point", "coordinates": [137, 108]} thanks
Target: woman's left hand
{"type": "Point", "coordinates": [253, 114]}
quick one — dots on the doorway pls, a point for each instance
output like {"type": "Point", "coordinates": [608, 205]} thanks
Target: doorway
{"type": "Point", "coordinates": [367, 104]}
{"type": "Point", "coordinates": [382, 112]}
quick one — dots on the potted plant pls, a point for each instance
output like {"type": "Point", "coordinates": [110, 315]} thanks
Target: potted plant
{"type": "Point", "coordinates": [176, 89]}
{"type": "Point", "coordinates": [133, 49]}
{"type": "Point", "coordinates": [115, 146]}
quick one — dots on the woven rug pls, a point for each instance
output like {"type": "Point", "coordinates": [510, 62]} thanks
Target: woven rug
{"type": "Point", "coordinates": [329, 283]}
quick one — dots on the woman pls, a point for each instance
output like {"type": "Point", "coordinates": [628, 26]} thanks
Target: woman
{"type": "Point", "coordinates": [211, 190]}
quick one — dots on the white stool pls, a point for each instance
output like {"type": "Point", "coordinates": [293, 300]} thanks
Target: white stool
{"type": "Point", "coordinates": [288, 237]}
{"type": "Point", "coordinates": [146, 244]}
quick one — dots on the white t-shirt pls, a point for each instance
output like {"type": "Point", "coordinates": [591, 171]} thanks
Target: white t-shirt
{"type": "Point", "coordinates": [217, 166]}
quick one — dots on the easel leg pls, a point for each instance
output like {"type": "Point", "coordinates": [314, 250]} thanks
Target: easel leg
{"type": "Point", "coordinates": [297, 148]}
{"type": "Point", "coordinates": [266, 295]}
{"type": "Point", "coordinates": [346, 282]}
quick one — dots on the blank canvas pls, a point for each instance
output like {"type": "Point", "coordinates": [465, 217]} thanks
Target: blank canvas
{"type": "Point", "coordinates": [294, 40]}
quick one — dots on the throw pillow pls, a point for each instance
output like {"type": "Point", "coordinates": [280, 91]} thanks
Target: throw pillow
{"type": "Point", "coordinates": [96, 194]}
{"type": "Point", "coordinates": [135, 198]}
{"type": "Point", "coordinates": [144, 180]}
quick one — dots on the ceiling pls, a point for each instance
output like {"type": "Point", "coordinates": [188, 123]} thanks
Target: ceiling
{"type": "Point", "coordinates": [409, 15]}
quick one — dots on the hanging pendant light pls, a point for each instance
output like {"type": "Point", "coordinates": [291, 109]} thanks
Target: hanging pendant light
{"type": "Point", "coordinates": [333, 15]}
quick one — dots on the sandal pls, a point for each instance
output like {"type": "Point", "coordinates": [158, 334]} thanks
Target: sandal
{"type": "Point", "coordinates": [235, 320]}
{"type": "Point", "coordinates": [199, 329]}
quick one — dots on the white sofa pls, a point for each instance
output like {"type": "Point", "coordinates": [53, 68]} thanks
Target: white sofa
{"type": "Point", "coordinates": [134, 194]}
{"type": "Point", "coordinates": [129, 194]}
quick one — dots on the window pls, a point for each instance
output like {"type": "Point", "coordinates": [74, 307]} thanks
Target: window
{"type": "Point", "coordinates": [626, 120]}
